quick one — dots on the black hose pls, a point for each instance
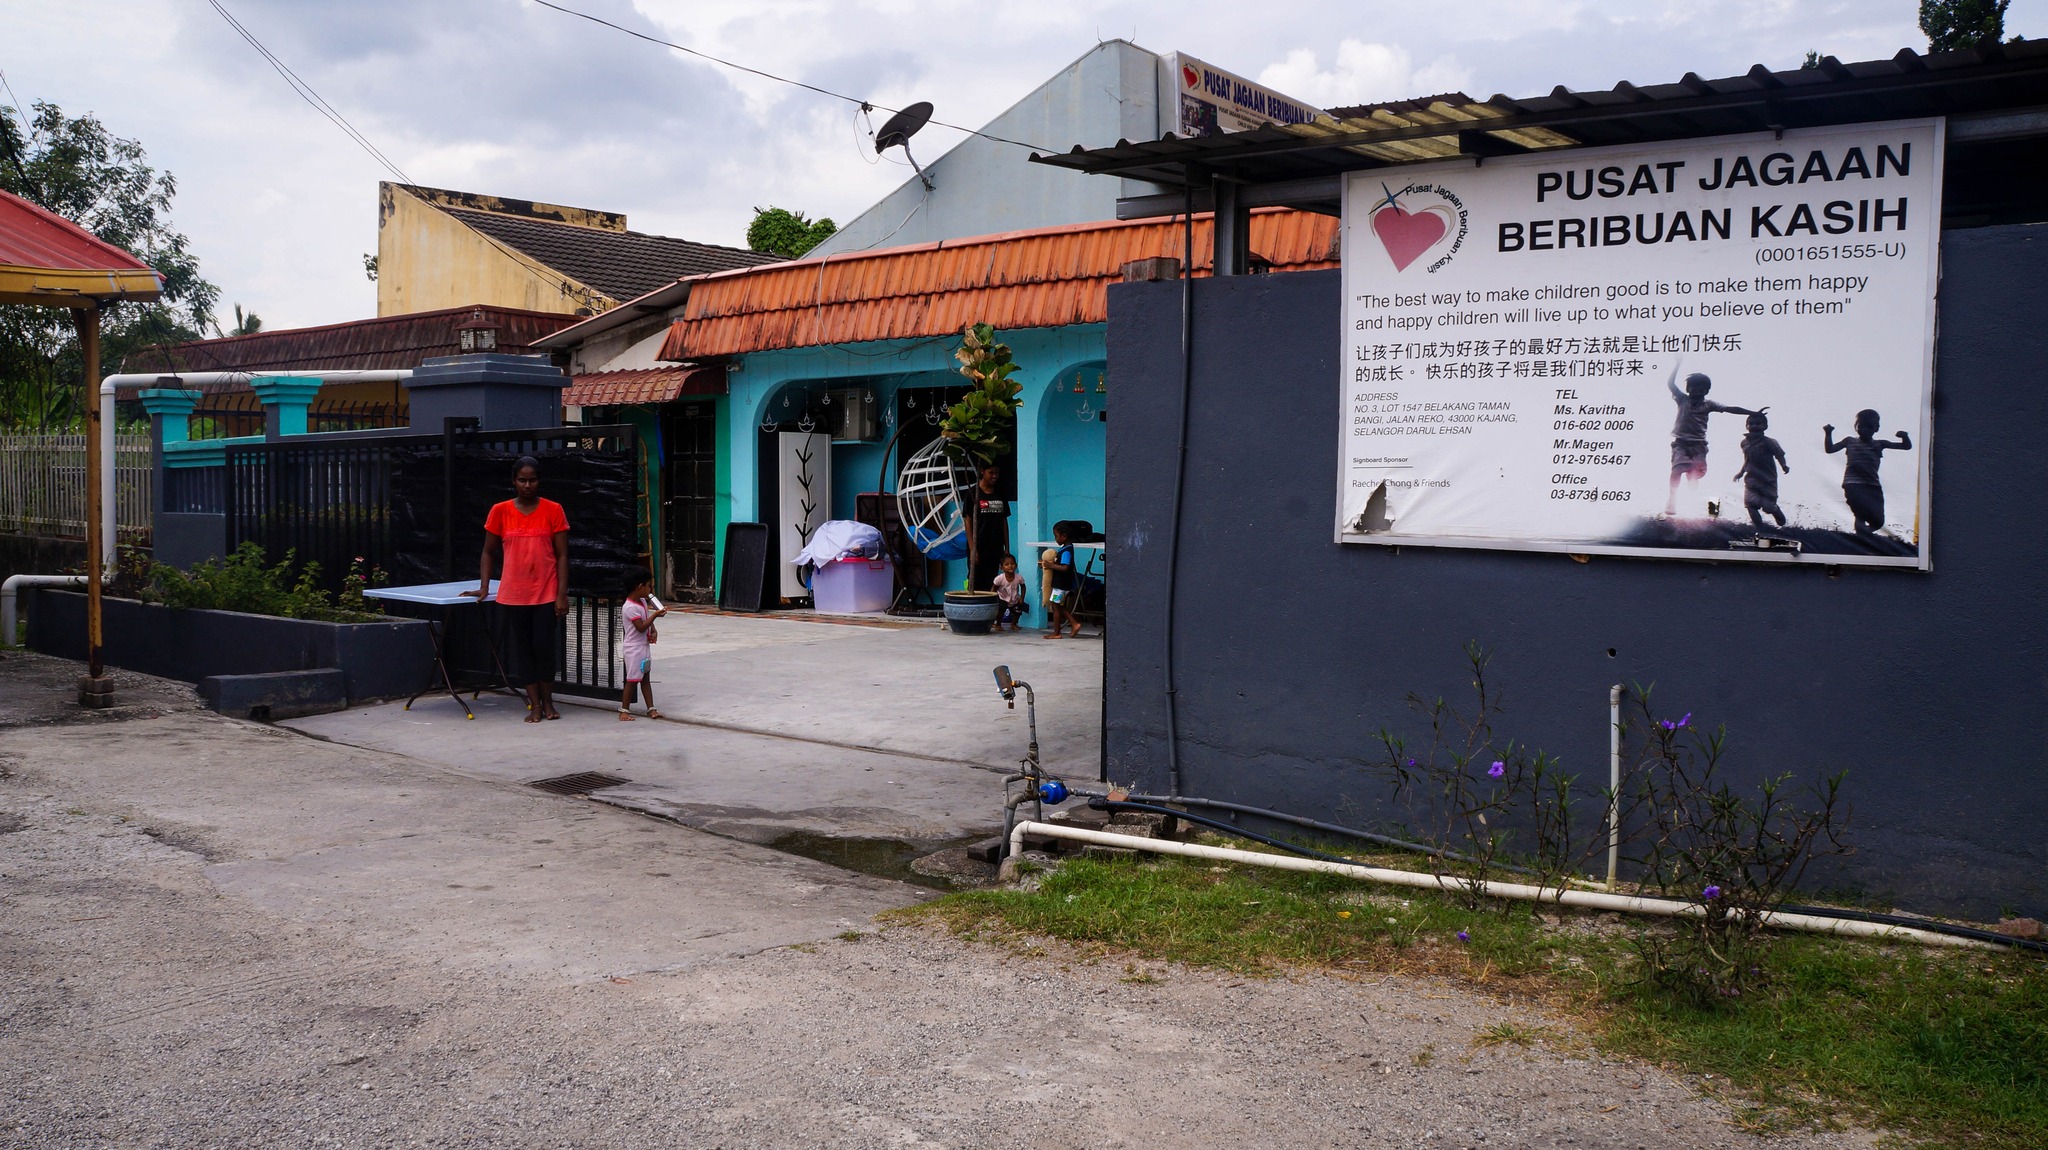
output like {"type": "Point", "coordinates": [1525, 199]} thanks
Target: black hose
{"type": "Point", "coordinates": [1929, 925]}
{"type": "Point", "coordinates": [1219, 824]}
{"type": "Point", "coordinates": [1180, 471]}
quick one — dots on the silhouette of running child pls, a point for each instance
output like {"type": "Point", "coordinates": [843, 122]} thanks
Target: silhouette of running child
{"type": "Point", "coordinates": [1689, 432]}
{"type": "Point", "coordinates": [1860, 485]}
{"type": "Point", "coordinates": [1761, 459]}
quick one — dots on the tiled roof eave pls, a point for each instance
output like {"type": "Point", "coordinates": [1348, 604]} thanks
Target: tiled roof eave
{"type": "Point", "coordinates": [1040, 279]}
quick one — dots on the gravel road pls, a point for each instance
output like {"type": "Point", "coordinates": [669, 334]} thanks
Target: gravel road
{"type": "Point", "coordinates": [214, 934]}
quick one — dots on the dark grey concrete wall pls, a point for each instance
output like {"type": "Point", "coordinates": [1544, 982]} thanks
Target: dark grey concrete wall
{"type": "Point", "coordinates": [183, 538]}
{"type": "Point", "coordinates": [37, 555]}
{"type": "Point", "coordinates": [382, 660]}
{"type": "Point", "coordinates": [1293, 650]}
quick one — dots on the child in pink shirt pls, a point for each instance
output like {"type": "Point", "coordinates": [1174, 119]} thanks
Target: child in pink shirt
{"type": "Point", "coordinates": [1009, 587]}
{"type": "Point", "coordinates": [636, 625]}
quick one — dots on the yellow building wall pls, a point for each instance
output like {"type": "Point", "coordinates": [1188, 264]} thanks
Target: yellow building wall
{"type": "Point", "coordinates": [427, 260]}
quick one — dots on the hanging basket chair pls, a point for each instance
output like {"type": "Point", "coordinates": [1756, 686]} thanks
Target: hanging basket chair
{"type": "Point", "coordinates": [928, 499]}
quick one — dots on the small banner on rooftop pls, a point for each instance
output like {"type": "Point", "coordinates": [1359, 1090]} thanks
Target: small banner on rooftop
{"type": "Point", "coordinates": [1206, 100]}
{"type": "Point", "coordinates": [1708, 349]}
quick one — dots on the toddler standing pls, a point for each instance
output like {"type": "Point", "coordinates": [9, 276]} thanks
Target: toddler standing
{"type": "Point", "coordinates": [637, 618]}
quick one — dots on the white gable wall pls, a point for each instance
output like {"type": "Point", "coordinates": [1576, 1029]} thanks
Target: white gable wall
{"type": "Point", "coordinates": [981, 187]}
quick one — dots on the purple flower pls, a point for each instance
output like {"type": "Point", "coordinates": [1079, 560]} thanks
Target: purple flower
{"type": "Point", "coordinates": [1463, 937]}
{"type": "Point", "coordinates": [1710, 894]}
{"type": "Point", "coordinates": [1667, 724]}
{"type": "Point", "coordinates": [1411, 762]}
{"type": "Point", "coordinates": [1497, 769]}
{"type": "Point", "coordinates": [1687, 720]}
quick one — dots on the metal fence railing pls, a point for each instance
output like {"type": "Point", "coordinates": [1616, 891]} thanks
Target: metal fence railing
{"type": "Point", "coordinates": [229, 415]}
{"type": "Point", "coordinates": [339, 415]}
{"type": "Point", "coordinates": [589, 659]}
{"type": "Point", "coordinates": [195, 490]}
{"type": "Point", "coordinates": [234, 414]}
{"type": "Point", "coordinates": [42, 485]}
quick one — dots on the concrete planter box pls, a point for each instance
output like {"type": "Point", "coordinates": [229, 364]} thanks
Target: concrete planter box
{"type": "Point", "coordinates": [386, 659]}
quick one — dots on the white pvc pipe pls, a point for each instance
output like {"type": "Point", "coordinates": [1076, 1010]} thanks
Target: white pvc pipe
{"type": "Point", "coordinates": [1591, 900]}
{"type": "Point", "coordinates": [1613, 782]}
{"type": "Point", "coordinates": [110, 514]}
{"type": "Point", "coordinates": [187, 378]}
{"type": "Point", "coordinates": [9, 615]}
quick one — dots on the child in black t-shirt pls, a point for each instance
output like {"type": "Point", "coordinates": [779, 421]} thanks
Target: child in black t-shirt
{"type": "Point", "coordinates": [1761, 459]}
{"type": "Point", "coordinates": [1860, 484]}
{"type": "Point", "coordinates": [1689, 431]}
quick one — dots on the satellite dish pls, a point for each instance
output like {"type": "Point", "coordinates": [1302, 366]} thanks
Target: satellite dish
{"type": "Point", "coordinates": [897, 130]}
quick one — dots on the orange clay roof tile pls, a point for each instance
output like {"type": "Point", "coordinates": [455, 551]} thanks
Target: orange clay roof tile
{"type": "Point", "coordinates": [1050, 277]}
{"type": "Point", "coordinates": [642, 386]}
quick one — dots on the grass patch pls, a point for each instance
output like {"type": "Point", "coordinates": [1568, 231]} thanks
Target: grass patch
{"type": "Point", "coordinates": [1950, 1047]}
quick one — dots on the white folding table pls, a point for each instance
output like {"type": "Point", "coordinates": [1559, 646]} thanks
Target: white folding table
{"type": "Point", "coordinates": [445, 597]}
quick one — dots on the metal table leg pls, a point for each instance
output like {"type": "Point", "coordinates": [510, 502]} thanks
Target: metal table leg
{"type": "Point", "coordinates": [438, 628]}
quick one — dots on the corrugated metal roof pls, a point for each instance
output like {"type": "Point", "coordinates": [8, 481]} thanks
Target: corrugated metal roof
{"type": "Point", "coordinates": [620, 264]}
{"type": "Point", "coordinates": [1049, 277]}
{"type": "Point", "coordinates": [1988, 78]}
{"type": "Point", "coordinates": [393, 341]}
{"type": "Point", "coordinates": [47, 259]}
{"type": "Point", "coordinates": [643, 386]}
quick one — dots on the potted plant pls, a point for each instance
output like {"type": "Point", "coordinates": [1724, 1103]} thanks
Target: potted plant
{"type": "Point", "coordinates": [937, 482]}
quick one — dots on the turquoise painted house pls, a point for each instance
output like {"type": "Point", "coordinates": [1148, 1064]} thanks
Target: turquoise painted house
{"type": "Point", "coordinates": [782, 394]}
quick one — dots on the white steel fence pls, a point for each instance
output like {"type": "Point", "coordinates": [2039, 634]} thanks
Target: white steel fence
{"type": "Point", "coordinates": [42, 485]}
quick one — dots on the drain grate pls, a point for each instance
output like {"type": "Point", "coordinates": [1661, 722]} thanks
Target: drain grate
{"type": "Point", "coordinates": [578, 784]}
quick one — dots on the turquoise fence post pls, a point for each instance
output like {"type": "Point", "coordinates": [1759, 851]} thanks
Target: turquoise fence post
{"type": "Point", "coordinates": [285, 399]}
{"type": "Point", "coordinates": [170, 413]}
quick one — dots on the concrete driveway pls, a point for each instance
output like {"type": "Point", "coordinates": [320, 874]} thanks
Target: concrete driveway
{"type": "Point", "coordinates": [776, 726]}
{"type": "Point", "coordinates": [217, 934]}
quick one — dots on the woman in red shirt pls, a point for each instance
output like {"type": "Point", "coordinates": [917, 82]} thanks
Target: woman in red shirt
{"type": "Point", "coordinates": [527, 539]}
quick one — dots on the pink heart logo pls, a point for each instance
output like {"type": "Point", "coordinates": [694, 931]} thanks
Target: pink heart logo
{"type": "Point", "coordinates": [1407, 235]}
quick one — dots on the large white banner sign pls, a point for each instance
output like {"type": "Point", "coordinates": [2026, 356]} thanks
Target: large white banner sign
{"type": "Point", "coordinates": [1717, 349]}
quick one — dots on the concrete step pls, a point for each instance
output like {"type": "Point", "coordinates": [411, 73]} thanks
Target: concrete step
{"type": "Point", "coordinates": [278, 694]}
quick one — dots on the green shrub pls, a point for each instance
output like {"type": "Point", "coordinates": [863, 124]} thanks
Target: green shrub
{"type": "Point", "coordinates": [243, 582]}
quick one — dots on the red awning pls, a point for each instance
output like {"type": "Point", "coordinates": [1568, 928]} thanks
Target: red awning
{"type": "Point", "coordinates": [644, 386]}
{"type": "Point", "coordinates": [47, 260]}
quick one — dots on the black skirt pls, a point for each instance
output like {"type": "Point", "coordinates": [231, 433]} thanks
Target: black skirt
{"type": "Point", "coordinates": [528, 636]}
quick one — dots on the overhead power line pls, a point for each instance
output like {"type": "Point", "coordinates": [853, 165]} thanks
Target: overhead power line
{"type": "Point", "coordinates": [305, 92]}
{"type": "Point", "coordinates": [724, 63]}
{"type": "Point", "coordinates": [319, 104]}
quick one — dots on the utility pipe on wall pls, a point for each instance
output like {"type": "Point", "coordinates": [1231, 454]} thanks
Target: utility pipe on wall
{"type": "Point", "coordinates": [109, 522]}
{"type": "Point", "coordinates": [1591, 900]}
{"type": "Point", "coordinates": [10, 614]}
{"type": "Point", "coordinates": [1613, 782]}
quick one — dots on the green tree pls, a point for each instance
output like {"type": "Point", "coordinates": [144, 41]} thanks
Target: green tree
{"type": "Point", "coordinates": [1955, 24]}
{"type": "Point", "coordinates": [246, 323]}
{"type": "Point", "coordinates": [75, 167]}
{"type": "Point", "coordinates": [781, 232]}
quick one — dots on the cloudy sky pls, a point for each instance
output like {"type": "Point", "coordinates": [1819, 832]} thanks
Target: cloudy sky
{"type": "Point", "coordinates": [507, 97]}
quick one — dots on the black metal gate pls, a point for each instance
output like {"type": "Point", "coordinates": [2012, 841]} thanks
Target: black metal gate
{"type": "Point", "coordinates": [415, 506]}
{"type": "Point", "coordinates": [689, 436]}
